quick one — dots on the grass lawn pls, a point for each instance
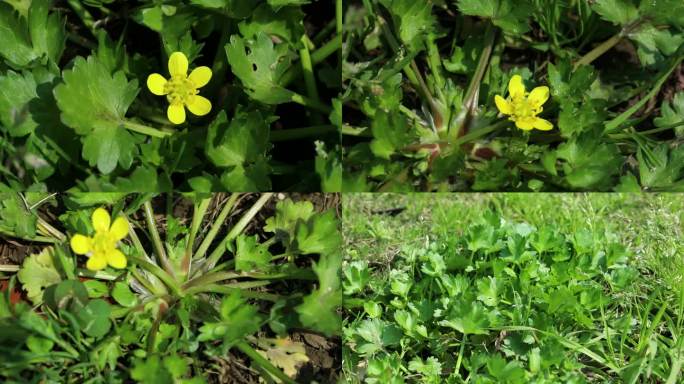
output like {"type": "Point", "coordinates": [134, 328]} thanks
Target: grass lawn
{"type": "Point", "coordinates": [514, 288]}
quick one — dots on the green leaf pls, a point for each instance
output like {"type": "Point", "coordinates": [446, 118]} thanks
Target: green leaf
{"type": "Point", "coordinates": [319, 235]}
{"type": "Point", "coordinates": [391, 132]}
{"type": "Point", "coordinates": [16, 93]}
{"type": "Point", "coordinates": [94, 103]}
{"type": "Point", "coordinates": [38, 272]}
{"type": "Point", "coordinates": [413, 19]}
{"type": "Point", "coordinates": [357, 276]}
{"type": "Point", "coordinates": [287, 214]}
{"type": "Point", "coordinates": [619, 12]}
{"type": "Point", "coordinates": [123, 295]}
{"type": "Point", "coordinates": [15, 217]}
{"type": "Point", "coordinates": [672, 113]}
{"type": "Point", "coordinates": [590, 161]}
{"type": "Point", "coordinates": [96, 288]}
{"type": "Point", "coordinates": [283, 353]}
{"type": "Point", "coordinates": [15, 45]}
{"type": "Point", "coordinates": [238, 320]}
{"type": "Point", "coordinates": [250, 254]}
{"type": "Point", "coordinates": [94, 318]}
{"type": "Point", "coordinates": [285, 23]}
{"type": "Point", "coordinates": [511, 16]}
{"type": "Point", "coordinates": [260, 65]}
{"type": "Point", "coordinates": [661, 166]}
{"type": "Point", "coordinates": [107, 147]}
{"type": "Point", "coordinates": [241, 141]}
{"type": "Point", "coordinates": [467, 318]}
{"type": "Point", "coordinates": [319, 309]}
{"type": "Point", "coordinates": [46, 31]}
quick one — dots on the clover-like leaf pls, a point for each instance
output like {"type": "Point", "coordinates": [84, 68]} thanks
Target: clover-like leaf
{"type": "Point", "coordinates": [38, 272]}
{"type": "Point", "coordinates": [250, 254]}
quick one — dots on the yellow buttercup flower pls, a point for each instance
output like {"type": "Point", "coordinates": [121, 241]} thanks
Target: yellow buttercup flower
{"type": "Point", "coordinates": [524, 107]}
{"type": "Point", "coordinates": [101, 248]}
{"type": "Point", "coordinates": [181, 89]}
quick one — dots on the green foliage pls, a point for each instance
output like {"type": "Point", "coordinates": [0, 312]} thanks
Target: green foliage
{"type": "Point", "coordinates": [458, 287]}
{"type": "Point", "coordinates": [422, 87]}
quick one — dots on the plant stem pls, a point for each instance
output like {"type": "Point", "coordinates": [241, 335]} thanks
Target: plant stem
{"type": "Point", "coordinates": [317, 56]}
{"type": "Point", "coordinates": [607, 45]}
{"type": "Point", "coordinates": [156, 240]}
{"type": "Point", "coordinates": [307, 70]}
{"type": "Point", "coordinates": [310, 103]}
{"type": "Point", "coordinates": [52, 231]}
{"type": "Point", "coordinates": [158, 272]}
{"type": "Point", "coordinates": [39, 239]}
{"type": "Point", "coordinates": [472, 93]}
{"type": "Point", "coordinates": [216, 225]}
{"type": "Point", "coordinates": [263, 362]}
{"type": "Point", "coordinates": [197, 218]}
{"type": "Point", "coordinates": [236, 230]}
{"type": "Point", "coordinates": [144, 129]}
{"type": "Point", "coordinates": [241, 285]}
{"type": "Point", "coordinates": [9, 268]}
{"type": "Point", "coordinates": [460, 354]}
{"type": "Point", "coordinates": [228, 289]}
{"type": "Point", "coordinates": [84, 15]}
{"type": "Point", "coordinates": [621, 118]}
{"type": "Point", "coordinates": [300, 133]}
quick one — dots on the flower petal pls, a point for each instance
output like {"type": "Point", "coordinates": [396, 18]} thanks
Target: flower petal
{"type": "Point", "coordinates": [116, 259]}
{"type": "Point", "coordinates": [503, 105]}
{"type": "Point", "coordinates": [542, 125]}
{"type": "Point", "coordinates": [516, 88]}
{"type": "Point", "coordinates": [199, 105]}
{"type": "Point", "coordinates": [101, 220]}
{"type": "Point", "coordinates": [96, 262]}
{"type": "Point", "coordinates": [119, 228]}
{"type": "Point", "coordinates": [538, 96]}
{"type": "Point", "coordinates": [525, 124]}
{"type": "Point", "coordinates": [176, 113]}
{"type": "Point", "coordinates": [178, 64]}
{"type": "Point", "coordinates": [81, 244]}
{"type": "Point", "coordinates": [200, 76]}
{"type": "Point", "coordinates": [156, 83]}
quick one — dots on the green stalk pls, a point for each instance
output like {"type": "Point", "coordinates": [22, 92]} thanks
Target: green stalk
{"type": "Point", "coordinates": [100, 275]}
{"type": "Point", "coordinates": [472, 93]}
{"type": "Point", "coordinates": [84, 15]}
{"type": "Point", "coordinates": [307, 70]}
{"type": "Point", "coordinates": [242, 286]}
{"type": "Point", "coordinates": [317, 56]}
{"type": "Point", "coordinates": [310, 103]}
{"type": "Point", "coordinates": [300, 133]}
{"type": "Point", "coordinates": [39, 239]}
{"type": "Point", "coordinates": [156, 240]}
{"type": "Point", "coordinates": [197, 218]}
{"type": "Point", "coordinates": [621, 118]}
{"type": "Point", "coordinates": [607, 45]}
{"type": "Point", "coordinates": [236, 230]}
{"type": "Point", "coordinates": [215, 226]}
{"type": "Point", "coordinates": [144, 129]}
{"type": "Point", "coordinates": [263, 362]}
{"type": "Point", "coordinates": [49, 229]}
{"type": "Point", "coordinates": [158, 272]}
{"type": "Point", "coordinates": [460, 353]}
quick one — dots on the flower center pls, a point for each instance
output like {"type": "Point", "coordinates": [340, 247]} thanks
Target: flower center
{"type": "Point", "coordinates": [103, 242]}
{"type": "Point", "coordinates": [523, 109]}
{"type": "Point", "coordinates": [180, 90]}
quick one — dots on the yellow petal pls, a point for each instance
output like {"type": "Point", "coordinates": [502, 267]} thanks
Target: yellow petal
{"type": "Point", "coordinates": [178, 64]}
{"type": "Point", "coordinates": [176, 113]}
{"type": "Point", "coordinates": [516, 88]}
{"type": "Point", "coordinates": [96, 262]}
{"type": "Point", "coordinates": [525, 124]}
{"type": "Point", "coordinates": [116, 259]}
{"type": "Point", "coordinates": [542, 125]}
{"type": "Point", "coordinates": [538, 96]}
{"type": "Point", "coordinates": [199, 105]}
{"type": "Point", "coordinates": [101, 220]}
{"type": "Point", "coordinates": [200, 76]}
{"type": "Point", "coordinates": [503, 105]}
{"type": "Point", "coordinates": [156, 83]}
{"type": "Point", "coordinates": [81, 244]}
{"type": "Point", "coordinates": [119, 228]}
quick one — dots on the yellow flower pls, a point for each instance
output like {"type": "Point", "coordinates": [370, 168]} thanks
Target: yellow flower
{"type": "Point", "coordinates": [524, 107]}
{"type": "Point", "coordinates": [101, 248]}
{"type": "Point", "coordinates": [181, 89]}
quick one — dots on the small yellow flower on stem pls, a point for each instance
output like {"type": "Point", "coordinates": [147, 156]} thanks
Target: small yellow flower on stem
{"type": "Point", "coordinates": [101, 248]}
{"type": "Point", "coordinates": [181, 89]}
{"type": "Point", "coordinates": [523, 107]}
